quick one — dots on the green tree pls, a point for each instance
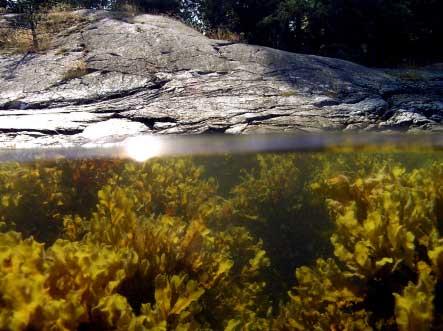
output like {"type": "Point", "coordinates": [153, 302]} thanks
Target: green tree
{"type": "Point", "coordinates": [237, 16]}
{"type": "Point", "coordinates": [90, 4]}
{"type": "Point", "coordinates": [33, 11]}
{"type": "Point", "coordinates": [169, 6]}
{"type": "Point", "coordinates": [376, 32]}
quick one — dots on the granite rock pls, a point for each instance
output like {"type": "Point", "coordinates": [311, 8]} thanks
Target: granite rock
{"type": "Point", "coordinates": [153, 74]}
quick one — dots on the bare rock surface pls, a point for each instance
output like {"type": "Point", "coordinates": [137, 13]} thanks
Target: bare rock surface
{"type": "Point", "coordinates": [153, 74]}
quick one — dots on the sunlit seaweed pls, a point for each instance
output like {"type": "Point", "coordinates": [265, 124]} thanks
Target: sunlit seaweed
{"type": "Point", "coordinates": [182, 229]}
{"type": "Point", "coordinates": [385, 232]}
{"type": "Point", "coordinates": [56, 288]}
{"type": "Point", "coordinates": [50, 190]}
{"type": "Point", "coordinates": [325, 298]}
{"type": "Point", "coordinates": [156, 246]}
{"type": "Point", "coordinates": [274, 201]}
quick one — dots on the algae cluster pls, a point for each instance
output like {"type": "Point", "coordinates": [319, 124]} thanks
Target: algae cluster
{"type": "Point", "coordinates": [297, 241]}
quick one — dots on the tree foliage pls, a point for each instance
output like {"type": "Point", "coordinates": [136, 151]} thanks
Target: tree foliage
{"type": "Point", "coordinates": [372, 32]}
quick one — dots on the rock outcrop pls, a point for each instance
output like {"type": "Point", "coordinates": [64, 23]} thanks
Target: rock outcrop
{"type": "Point", "coordinates": [153, 74]}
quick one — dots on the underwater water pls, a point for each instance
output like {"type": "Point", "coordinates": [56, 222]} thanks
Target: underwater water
{"type": "Point", "coordinates": [340, 238]}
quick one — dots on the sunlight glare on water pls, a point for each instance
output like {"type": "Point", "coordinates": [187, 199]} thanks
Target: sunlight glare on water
{"type": "Point", "coordinates": [143, 148]}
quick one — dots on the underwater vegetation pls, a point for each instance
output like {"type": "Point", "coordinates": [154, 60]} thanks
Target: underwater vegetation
{"type": "Point", "coordinates": [49, 190]}
{"type": "Point", "coordinates": [295, 241]}
{"type": "Point", "coordinates": [274, 202]}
